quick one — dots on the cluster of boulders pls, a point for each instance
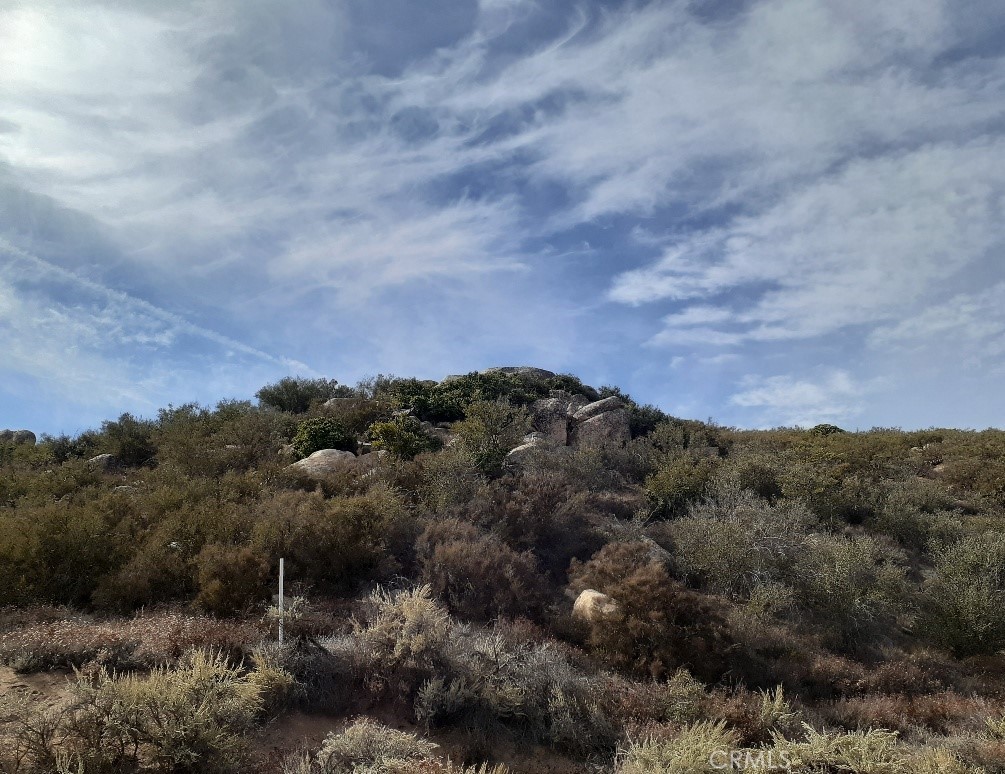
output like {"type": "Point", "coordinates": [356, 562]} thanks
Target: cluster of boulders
{"type": "Point", "coordinates": [18, 437]}
{"type": "Point", "coordinates": [563, 420]}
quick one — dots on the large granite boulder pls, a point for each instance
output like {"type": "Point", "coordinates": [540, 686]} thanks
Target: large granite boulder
{"type": "Point", "coordinates": [104, 462]}
{"type": "Point", "coordinates": [610, 428]}
{"type": "Point", "coordinates": [549, 416]}
{"type": "Point", "coordinates": [598, 407]}
{"type": "Point", "coordinates": [592, 606]}
{"type": "Point", "coordinates": [18, 437]}
{"type": "Point", "coordinates": [529, 371]}
{"type": "Point", "coordinates": [324, 462]}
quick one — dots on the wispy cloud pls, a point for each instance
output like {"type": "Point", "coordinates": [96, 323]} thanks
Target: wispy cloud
{"type": "Point", "coordinates": [786, 400]}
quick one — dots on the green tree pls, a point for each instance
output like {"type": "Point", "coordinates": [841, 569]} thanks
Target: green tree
{"type": "Point", "coordinates": [321, 433]}
{"type": "Point", "coordinates": [296, 394]}
{"type": "Point", "coordinates": [490, 431]}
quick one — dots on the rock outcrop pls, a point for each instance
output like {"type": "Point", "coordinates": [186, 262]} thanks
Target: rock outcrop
{"type": "Point", "coordinates": [550, 417]}
{"type": "Point", "coordinates": [18, 437]}
{"type": "Point", "coordinates": [610, 428]}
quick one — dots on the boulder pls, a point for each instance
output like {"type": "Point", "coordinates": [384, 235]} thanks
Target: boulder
{"type": "Point", "coordinates": [528, 371]}
{"type": "Point", "coordinates": [608, 429]}
{"type": "Point", "coordinates": [550, 417]}
{"type": "Point", "coordinates": [522, 453]}
{"type": "Point", "coordinates": [598, 407]}
{"type": "Point", "coordinates": [324, 461]}
{"type": "Point", "coordinates": [592, 606]}
{"type": "Point", "coordinates": [104, 462]}
{"type": "Point", "coordinates": [17, 437]}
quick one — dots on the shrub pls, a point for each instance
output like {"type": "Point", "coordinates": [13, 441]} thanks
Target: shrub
{"type": "Point", "coordinates": [321, 433]}
{"type": "Point", "coordinates": [855, 588]}
{"type": "Point", "coordinates": [188, 719]}
{"type": "Point", "coordinates": [490, 430]}
{"type": "Point", "coordinates": [230, 578]}
{"type": "Point", "coordinates": [678, 482]}
{"type": "Point", "coordinates": [368, 747]}
{"type": "Point", "coordinates": [129, 440]}
{"type": "Point", "coordinates": [688, 752]}
{"type": "Point", "coordinates": [869, 752]}
{"type": "Point", "coordinates": [493, 686]}
{"type": "Point", "coordinates": [334, 544]}
{"type": "Point", "coordinates": [480, 577]}
{"type": "Point", "coordinates": [295, 395]}
{"type": "Point", "coordinates": [402, 437]}
{"type": "Point", "coordinates": [733, 550]}
{"type": "Point", "coordinates": [660, 626]}
{"type": "Point", "coordinates": [967, 594]}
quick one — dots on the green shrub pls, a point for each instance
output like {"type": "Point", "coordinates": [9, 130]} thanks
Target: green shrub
{"type": "Point", "coordinates": [490, 430]}
{"type": "Point", "coordinates": [183, 720]}
{"type": "Point", "coordinates": [854, 587]}
{"type": "Point", "coordinates": [337, 544]}
{"type": "Point", "coordinates": [966, 595]}
{"type": "Point", "coordinates": [402, 437]}
{"type": "Point", "coordinates": [678, 482]}
{"type": "Point", "coordinates": [321, 433]}
{"type": "Point", "coordinates": [296, 395]}
{"type": "Point", "coordinates": [732, 550]}
{"type": "Point", "coordinates": [129, 439]}
{"type": "Point", "coordinates": [365, 747]}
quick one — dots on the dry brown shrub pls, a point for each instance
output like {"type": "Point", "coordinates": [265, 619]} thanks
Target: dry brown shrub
{"type": "Point", "coordinates": [660, 625]}
{"type": "Point", "coordinates": [143, 641]}
{"type": "Point", "coordinates": [941, 713]}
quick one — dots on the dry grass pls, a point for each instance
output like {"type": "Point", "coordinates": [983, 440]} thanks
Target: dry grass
{"type": "Point", "coordinates": [143, 641]}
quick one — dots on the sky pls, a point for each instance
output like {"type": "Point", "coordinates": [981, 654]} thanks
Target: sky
{"type": "Point", "coordinates": [763, 212]}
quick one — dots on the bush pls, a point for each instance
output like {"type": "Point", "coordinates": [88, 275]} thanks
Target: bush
{"type": "Point", "coordinates": [678, 482]}
{"type": "Point", "coordinates": [479, 576]}
{"type": "Point", "coordinates": [493, 687]}
{"type": "Point", "coordinates": [490, 431]}
{"type": "Point", "coordinates": [188, 719]}
{"type": "Point", "coordinates": [403, 437]}
{"type": "Point", "coordinates": [967, 594]}
{"type": "Point", "coordinates": [366, 747]}
{"type": "Point", "coordinates": [659, 626]}
{"type": "Point", "coordinates": [296, 395]}
{"type": "Point", "coordinates": [855, 588]}
{"type": "Point", "coordinates": [230, 578]}
{"type": "Point", "coordinates": [688, 752]}
{"type": "Point", "coordinates": [733, 550]}
{"type": "Point", "coordinates": [334, 545]}
{"type": "Point", "coordinates": [129, 439]}
{"type": "Point", "coordinates": [321, 433]}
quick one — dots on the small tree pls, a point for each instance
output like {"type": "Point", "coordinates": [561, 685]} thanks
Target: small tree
{"type": "Point", "coordinates": [490, 431]}
{"type": "Point", "coordinates": [296, 394]}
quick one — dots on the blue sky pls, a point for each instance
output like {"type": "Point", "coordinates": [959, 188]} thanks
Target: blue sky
{"type": "Point", "coordinates": [767, 212]}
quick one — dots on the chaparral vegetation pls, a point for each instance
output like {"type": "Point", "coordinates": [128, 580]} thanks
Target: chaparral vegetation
{"type": "Point", "coordinates": [506, 571]}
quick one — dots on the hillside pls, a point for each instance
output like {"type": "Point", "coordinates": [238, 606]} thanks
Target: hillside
{"type": "Point", "coordinates": [507, 570]}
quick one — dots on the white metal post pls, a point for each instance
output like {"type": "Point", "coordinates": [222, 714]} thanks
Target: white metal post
{"type": "Point", "coordinates": [281, 572]}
